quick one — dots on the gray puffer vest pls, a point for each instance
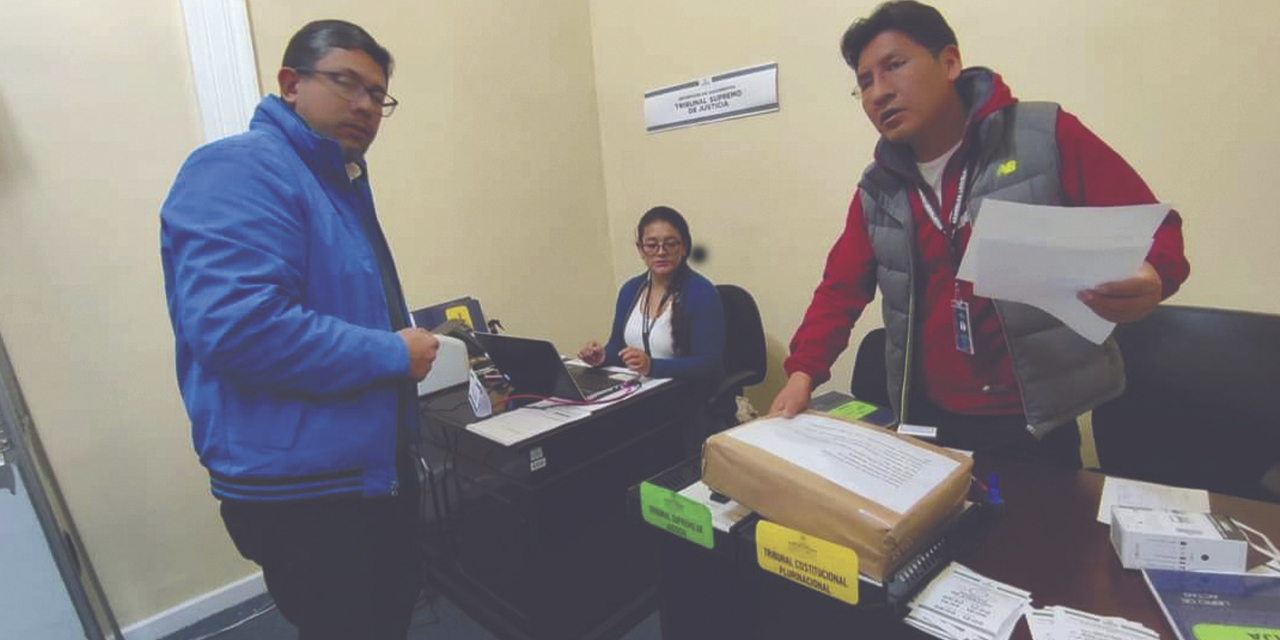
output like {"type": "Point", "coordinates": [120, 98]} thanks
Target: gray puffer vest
{"type": "Point", "coordinates": [1060, 374]}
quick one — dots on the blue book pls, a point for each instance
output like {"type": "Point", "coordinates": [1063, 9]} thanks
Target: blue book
{"type": "Point", "coordinates": [1218, 606]}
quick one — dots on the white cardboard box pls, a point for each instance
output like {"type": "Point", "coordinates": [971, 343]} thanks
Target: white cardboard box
{"type": "Point", "coordinates": [1177, 540]}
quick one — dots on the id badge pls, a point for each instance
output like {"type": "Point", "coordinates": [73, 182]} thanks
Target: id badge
{"type": "Point", "coordinates": [960, 323]}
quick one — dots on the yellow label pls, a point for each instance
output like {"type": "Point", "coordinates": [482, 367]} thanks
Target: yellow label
{"type": "Point", "coordinates": [1232, 632]}
{"type": "Point", "coordinates": [1007, 168]}
{"type": "Point", "coordinates": [825, 567]}
{"type": "Point", "coordinates": [459, 313]}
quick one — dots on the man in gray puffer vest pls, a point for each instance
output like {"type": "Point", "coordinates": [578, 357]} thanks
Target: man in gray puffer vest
{"type": "Point", "coordinates": [991, 375]}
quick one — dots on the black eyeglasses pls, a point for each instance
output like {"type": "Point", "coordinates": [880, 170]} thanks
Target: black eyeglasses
{"type": "Point", "coordinates": [350, 88]}
{"type": "Point", "coordinates": [651, 247]}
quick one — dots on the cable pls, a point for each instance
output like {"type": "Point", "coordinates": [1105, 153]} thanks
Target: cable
{"type": "Point", "coordinates": [237, 624]}
{"type": "Point", "coordinates": [628, 389]}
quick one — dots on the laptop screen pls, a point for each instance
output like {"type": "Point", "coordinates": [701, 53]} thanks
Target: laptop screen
{"type": "Point", "coordinates": [533, 366]}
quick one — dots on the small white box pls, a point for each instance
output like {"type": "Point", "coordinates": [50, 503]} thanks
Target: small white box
{"type": "Point", "coordinates": [1177, 540]}
{"type": "Point", "coordinates": [449, 369]}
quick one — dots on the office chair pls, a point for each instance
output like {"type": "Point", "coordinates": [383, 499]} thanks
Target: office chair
{"type": "Point", "coordinates": [745, 363]}
{"type": "Point", "coordinates": [1201, 407]}
{"type": "Point", "coordinates": [870, 381]}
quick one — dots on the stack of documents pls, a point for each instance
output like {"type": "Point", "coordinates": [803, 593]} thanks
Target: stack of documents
{"type": "Point", "coordinates": [1043, 256]}
{"type": "Point", "coordinates": [874, 491]}
{"type": "Point", "coordinates": [1064, 623]}
{"type": "Point", "coordinates": [962, 605]}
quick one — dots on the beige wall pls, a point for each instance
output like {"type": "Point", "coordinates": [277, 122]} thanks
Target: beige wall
{"type": "Point", "coordinates": [492, 182]}
{"type": "Point", "coordinates": [488, 179]}
{"type": "Point", "coordinates": [96, 113]}
{"type": "Point", "coordinates": [1180, 89]}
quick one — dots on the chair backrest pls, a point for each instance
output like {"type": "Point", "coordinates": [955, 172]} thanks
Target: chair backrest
{"type": "Point", "coordinates": [744, 348]}
{"type": "Point", "coordinates": [870, 382]}
{"type": "Point", "coordinates": [1201, 406]}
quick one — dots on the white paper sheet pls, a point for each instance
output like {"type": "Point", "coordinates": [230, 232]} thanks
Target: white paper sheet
{"type": "Point", "coordinates": [964, 605]}
{"type": "Point", "coordinates": [723, 514]}
{"type": "Point", "coordinates": [1065, 623]}
{"type": "Point", "coordinates": [1132, 493]}
{"type": "Point", "coordinates": [1040, 622]}
{"type": "Point", "coordinates": [1043, 256]}
{"type": "Point", "coordinates": [864, 460]}
{"type": "Point", "coordinates": [512, 427]}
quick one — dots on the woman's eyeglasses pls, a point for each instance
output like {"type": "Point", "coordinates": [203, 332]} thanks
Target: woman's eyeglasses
{"type": "Point", "coordinates": [651, 247]}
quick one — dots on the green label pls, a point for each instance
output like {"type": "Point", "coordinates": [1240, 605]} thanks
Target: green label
{"type": "Point", "coordinates": [1232, 632]}
{"type": "Point", "coordinates": [854, 410]}
{"type": "Point", "coordinates": [674, 513]}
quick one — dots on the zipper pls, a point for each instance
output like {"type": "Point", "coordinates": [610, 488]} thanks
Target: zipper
{"type": "Point", "coordinates": [1017, 379]}
{"type": "Point", "coordinates": [911, 312]}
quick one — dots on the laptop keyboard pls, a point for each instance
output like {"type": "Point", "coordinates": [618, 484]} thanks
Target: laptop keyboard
{"type": "Point", "coordinates": [592, 381]}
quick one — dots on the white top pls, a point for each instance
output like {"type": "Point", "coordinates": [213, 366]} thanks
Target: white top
{"type": "Point", "coordinates": [931, 171]}
{"type": "Point", "coordinates": [661, 343]}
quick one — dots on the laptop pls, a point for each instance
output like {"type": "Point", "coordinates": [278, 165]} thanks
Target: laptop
{"type": "Point", "coordinates": [534, 367]}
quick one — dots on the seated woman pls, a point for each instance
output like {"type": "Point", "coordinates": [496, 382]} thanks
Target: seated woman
{"type": "Point", "coordinates": [668, 322]}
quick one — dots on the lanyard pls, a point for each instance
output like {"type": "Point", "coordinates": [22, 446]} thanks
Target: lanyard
{"type": "Point", "coordinates": [646, 323]}
{"type": "Point", "coordinates": [956, 210]}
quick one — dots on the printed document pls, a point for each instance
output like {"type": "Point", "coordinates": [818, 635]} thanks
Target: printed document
{"type": "Point", "coordinates": [1065, 623]}
{"type": "Point", "coordinates": [1043, 256]}
{"type": "Point", "coordinates": [1119, 492]}
{"type": "Point", "coordinates": [518, 425]}
{"type": "Point", "coordinates": [961, 604]}
{"type": "Point", "coordinates": [865, 460]}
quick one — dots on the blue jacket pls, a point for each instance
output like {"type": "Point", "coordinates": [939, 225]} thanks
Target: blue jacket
{"type": "Point", "coordinates": [700, 302]}
{"type": "Point", "coordinates": [286, 360]}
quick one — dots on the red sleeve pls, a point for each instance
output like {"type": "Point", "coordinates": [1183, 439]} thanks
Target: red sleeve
{"type": "Point", "coordinates": [1094, 175]}
{"type": "Point", "coordinates": [848, 285]}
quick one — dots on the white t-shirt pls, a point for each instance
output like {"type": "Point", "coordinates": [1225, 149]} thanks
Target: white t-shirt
{"type": "Point", "coordinates": [932, 170]}
{"type": "Point", "coordinates": [661, 342]}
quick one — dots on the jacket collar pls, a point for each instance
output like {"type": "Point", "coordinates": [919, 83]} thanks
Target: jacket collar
{"type": "Point", "coordinates": [322, 155]}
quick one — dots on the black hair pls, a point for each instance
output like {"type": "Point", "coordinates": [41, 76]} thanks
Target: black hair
{"type": "Point", "coordinates": [920, 22]}
{"type": "Point", "coordinates": [681, 327]}
{"type": "Point", "coordinates": [318, 38]}
{"type": "Point", "coordinates": [671, 217]}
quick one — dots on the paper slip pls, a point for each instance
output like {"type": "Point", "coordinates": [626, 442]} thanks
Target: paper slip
{"type": "Point", "coordinates": [866, 461]}
{"type": "Point", "coordinates": [723, 514]}
{"type": "Point", "coordinates": [1132, 493]}
{"type": "Point", "coordinates": [516, 426]}
{"type": "Point", "coordinates": [962, 605]}
{"type": "Point", "coordinates": [1065, 623]}
{"type": "Point", "coordinates": [1043, 256]}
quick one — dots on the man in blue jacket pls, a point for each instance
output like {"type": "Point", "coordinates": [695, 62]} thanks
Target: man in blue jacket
{"type": "Point", "coordinates": [295, 357]}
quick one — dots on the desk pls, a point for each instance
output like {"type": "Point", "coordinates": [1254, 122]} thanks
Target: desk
{"type": "Point", "coordinates": [1046, 541]}
{"type": "Point", "coordinates": [533, 541]}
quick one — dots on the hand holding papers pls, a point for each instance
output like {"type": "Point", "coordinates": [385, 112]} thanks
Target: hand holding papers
{"type": "Point", "coordinates": [1044, 256]}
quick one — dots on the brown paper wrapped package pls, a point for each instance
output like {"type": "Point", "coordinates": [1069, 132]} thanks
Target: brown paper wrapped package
{"type": "Point", "coordinates": [802, 500]}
